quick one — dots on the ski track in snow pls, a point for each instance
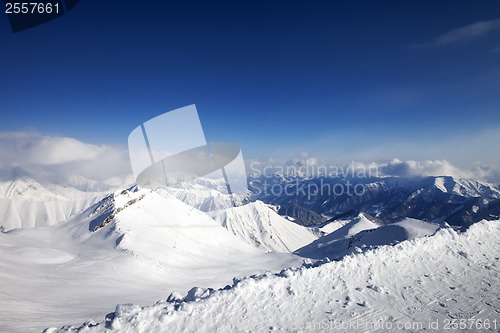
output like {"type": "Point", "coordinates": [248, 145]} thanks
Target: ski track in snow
{"type": "Point", "coordinates": [407, 287]}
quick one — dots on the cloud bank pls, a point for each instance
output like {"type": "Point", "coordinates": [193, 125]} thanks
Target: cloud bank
{"type": "Point", "coordinates": [64, 160]}
{"type": "Point", "coordinates": [305, 164]}
{"type": "Point", "coordinates": [411, 168]}
{"type": "Point", "coordinates": [425, 168]}
{"type": "Point", "coordinates": [58, 159]}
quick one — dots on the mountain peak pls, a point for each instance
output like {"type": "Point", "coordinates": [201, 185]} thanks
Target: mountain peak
{"type": "Point", "coordinates": [259, 225]}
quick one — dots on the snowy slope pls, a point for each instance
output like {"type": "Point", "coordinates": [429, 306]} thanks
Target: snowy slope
{"type": "Point", "coordinates": [393, 233]}
{"type": "Point", "coordinates": [332, 226]}
{"type": "Point", "coordinates": [27, 189]}
{"type": "Point", "coordinates": [24, 186]}
{"type": "Point", "coordinates": [30, 214]}
{"type": "Point", "coordinates": [26, 202]}
{"type": "Point", "coordinates": [205, 194]}
{"type": "Point", "coordinates": [30, 200]}
{"type": "Point", "coordinates": [363, 233]}
{"type": "Point", "coordinates": [169, 231]}
{"type": "Point", "coordinates": [421, 284]}
{"type": "Point", "coordinates": [132, 246]}
{"type": "Point", "coordinates": [204, 199]}
{"type": "Point", "coordinates": [259, 225]}
{"type": "Point", "coordinates": [337, 241]}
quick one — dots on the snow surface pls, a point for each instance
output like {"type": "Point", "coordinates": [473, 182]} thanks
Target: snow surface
{"type": "Point", "coordinates": [132, 246]}
{"type": "Point", "coordinates": [27, 203]}
{"type": "Point", "coordinates": [137, 246]}
{"type": "Point", "coordinates": [205, 194]}
{"type": "Point", "coordinates": [419, 284]}
{"type": "Point", "coordinates": [30, 214]}
{"type": "Point", "coordinates": [439, 183]}
{"type": "Point", "coordinates": [361, 232]}
{"type": "Point", "coordinates": [332, 226]}
{"type": "Point", "coordinates": [259, 225]}
{"type": "Point", "coordinates": [28, 189]}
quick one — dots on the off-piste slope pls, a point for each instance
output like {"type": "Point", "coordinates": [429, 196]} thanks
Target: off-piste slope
{"type": "Point", "coordinates": [261, 226]}
{"type": "Point", "coordinates": [432, 283]}
{"type": "Point", "coordinates": [26, 202]}
{"type": "Point", "coordinates": [361, 232]}
{"type": "Point", "coordinates": [132, 246]}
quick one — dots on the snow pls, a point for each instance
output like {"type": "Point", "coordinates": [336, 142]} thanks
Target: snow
{"type": "Point", "coordinates": [211, 271]}
{"type": "Point", "coordinates": [363, 233]}
{"type": "Point", "coordinates": [259, 225]}
{"type": "Point", "coordinates": [205, 194]}
{"type": "Point", "coordinates": [419, 284]}
{"type": "Point", "coordinates": [439, 183]}
{"type": "Point", "coordinates": [473, 188]}
{"type": "Point", "coordinates": [332, 226]}
{"type": "Point", "coordinates": [28, 189]}
{"type": "Point", "coordinates": [29, 214]}
{"type": "Point", "coordinates": [27, 203]}
{"type": "Point", "coordinates": [145, 245]}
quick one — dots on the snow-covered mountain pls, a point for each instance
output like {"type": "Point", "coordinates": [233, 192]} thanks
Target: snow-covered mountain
{"type": "Point", "coordinates": [135, 245]}
{"type": "Point", "coordinates": [165, 230]}
{"type": "Point", "coordinates": [205, 194]}
{"type": "Point", "coordinates": [424, 284]}
{"type": "Point", "coordinates": [132, 246]}
{"type": "Point", "coordinates": [30, 214]}
{"type": "Point", "coordinates": [21, 185]}
{"type": "Point", "coordinates": [202, 198]}
{"type": "Point", "coordinates": [362, 233]}
{"type": "Point", "coordinates": [458, 202]}
{"type": "Point", "coordinates": [27, 203]}
{"type": "Point", "coordinates": [261, 226]}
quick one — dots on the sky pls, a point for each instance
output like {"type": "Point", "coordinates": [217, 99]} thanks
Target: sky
{"type": "Point", "coordinates": [338, 80]}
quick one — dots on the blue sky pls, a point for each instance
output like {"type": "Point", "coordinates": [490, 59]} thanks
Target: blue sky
{"type": "Point", "coordinates": [353, 80]}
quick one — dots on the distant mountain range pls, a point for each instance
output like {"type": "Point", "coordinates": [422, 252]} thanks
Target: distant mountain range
{"type": "Point", "coordinates": [27, 200]}
{"type": "Point", "coordinates": [316, 200]}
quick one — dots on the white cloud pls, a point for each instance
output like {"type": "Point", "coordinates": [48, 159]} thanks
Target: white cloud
{"type": "Point", "coordinates": [488, 172]}
{"type": "Point", "coordinates": [465, 34]}
{"type": "Point", "coordinates": [309, 165]}
{"type": "Point", "coordinates": [303, 159]}
{"type": "Point", "coordinates": [60, 150]}
{"type": "Point", "coordinates": [423, 168]}
{"type": "Point", "coordinates": [57, 158]}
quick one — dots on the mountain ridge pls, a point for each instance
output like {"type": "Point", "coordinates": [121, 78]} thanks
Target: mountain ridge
{"type": "Point", "coordinates": [391, 198]}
